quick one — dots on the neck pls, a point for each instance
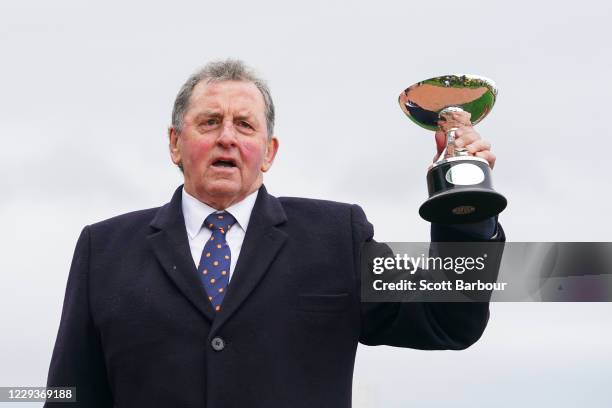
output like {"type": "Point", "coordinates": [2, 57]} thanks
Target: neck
{"type": "Point", "coordinates": [220, 202]}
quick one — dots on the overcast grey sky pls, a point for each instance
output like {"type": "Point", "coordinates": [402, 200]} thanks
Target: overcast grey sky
{"type": "Point", "coordinates": [85, 98]}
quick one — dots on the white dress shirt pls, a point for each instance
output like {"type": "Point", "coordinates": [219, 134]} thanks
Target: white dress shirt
{"type": "Point", "coordinates": [195, 212]}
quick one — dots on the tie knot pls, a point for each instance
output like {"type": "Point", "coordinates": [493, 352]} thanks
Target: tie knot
{"type": "Point", "coordinates": [222, 221]}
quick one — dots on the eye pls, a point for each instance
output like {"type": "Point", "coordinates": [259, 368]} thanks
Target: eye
{"type": "Point", "coordinates": [245, 124]}
{"type": "Point", "coordinates": [207, 124]}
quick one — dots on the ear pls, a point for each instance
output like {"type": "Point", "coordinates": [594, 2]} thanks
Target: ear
{"type": "Point", "coordinates": [174, 145]}
{"type": "Point", "coordinates": [271, 149]}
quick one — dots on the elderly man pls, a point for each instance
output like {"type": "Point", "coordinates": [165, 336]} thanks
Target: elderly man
{"type": "Point", "coordinates": [227, 296]}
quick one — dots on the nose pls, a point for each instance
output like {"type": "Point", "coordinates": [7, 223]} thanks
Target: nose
{"type": "Point", "coordinates": [227, 137]}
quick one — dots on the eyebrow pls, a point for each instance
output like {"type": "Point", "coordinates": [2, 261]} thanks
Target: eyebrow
{"type": "Point", "coordinates": [208, 113]}
{"type": "Point", "coordinates": [217, 114]}
{"type": "Point", "coordinates": [247, 116]}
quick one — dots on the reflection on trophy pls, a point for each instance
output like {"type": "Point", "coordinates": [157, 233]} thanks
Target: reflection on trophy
{"type": "Point", "coordinates": [459, 184]}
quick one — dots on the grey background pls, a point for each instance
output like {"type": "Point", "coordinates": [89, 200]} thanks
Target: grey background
{"type": "Point", "coordinates": [85, 98]}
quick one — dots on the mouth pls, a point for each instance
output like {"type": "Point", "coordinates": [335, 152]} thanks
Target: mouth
{"type": "Point", "coordinates": [224, 163]}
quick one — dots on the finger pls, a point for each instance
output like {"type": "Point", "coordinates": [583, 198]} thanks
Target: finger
{"type": "Point", "coordinates": [465, 136]}
{"type": "Point", "coordinates": [478, 146]}
{"type": "Point", "coordinates": [488, 156]}
{"type": "Point", "coordinates": [462, 117]}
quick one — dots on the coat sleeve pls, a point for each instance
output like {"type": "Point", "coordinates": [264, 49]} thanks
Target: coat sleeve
{"type": "Point", "coordinates": [420, 325]}
{"type": "Point", "coordinates": [78, 359]}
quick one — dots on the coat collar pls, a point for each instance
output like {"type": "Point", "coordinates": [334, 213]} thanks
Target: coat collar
{"type": "Point", "coordinates": [267, 211]}
{"type": "Point", "coordinates": [261, 243]}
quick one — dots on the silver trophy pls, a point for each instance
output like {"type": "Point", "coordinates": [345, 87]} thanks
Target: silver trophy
{"type": "Point", "coordinates": [459, 184]}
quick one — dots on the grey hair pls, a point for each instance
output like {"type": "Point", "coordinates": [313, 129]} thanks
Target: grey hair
{"type": "Point", "coordinates": [218, 71]}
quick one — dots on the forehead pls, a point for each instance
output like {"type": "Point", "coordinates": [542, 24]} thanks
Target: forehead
{"type": "Point", "coordinates": [226, 95]}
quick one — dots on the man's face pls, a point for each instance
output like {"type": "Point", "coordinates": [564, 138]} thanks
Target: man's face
{"type": "Point", "coordinates": [223, 146]}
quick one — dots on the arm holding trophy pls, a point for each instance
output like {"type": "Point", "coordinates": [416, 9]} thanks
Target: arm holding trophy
{"type": "Point", "coordinates": [462, 207]}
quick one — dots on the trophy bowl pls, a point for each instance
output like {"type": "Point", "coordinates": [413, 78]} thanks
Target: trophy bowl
{"type": "Point", "coordinates": [459, 184]}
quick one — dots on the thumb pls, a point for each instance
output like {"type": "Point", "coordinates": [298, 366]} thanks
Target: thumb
{"type": "Point", "coordinates": [440, 141]}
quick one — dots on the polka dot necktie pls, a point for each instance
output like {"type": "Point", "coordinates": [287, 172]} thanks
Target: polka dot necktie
{"type": "Point", "coordinates": [214, 264]}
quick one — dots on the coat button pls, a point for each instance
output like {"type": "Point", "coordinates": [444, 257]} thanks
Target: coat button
{"type": "Point", "coordinates": [218, 344]}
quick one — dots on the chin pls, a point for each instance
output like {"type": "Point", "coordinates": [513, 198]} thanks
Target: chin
{"type": "Point", "coordinates": [222, 188]}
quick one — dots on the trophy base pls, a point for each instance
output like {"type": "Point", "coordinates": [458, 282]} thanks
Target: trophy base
{"type": "Point", "coordinates": [460, 192]}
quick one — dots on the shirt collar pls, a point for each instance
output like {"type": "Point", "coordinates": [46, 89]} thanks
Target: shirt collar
{"type": "Point", "coordinates": [195, 212]}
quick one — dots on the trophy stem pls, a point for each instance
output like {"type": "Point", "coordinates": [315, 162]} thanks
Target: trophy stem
{"type": "Point", "coordinates": [450, 143]}
{"type": "Point", "coordinates": [451, 150]}
{"type": "Point", "coordinates": [445, 120]}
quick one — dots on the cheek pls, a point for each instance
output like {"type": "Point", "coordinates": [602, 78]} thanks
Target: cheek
{"type": "Point", "coordinates": [252, 153]}
{"type": "Point", "coordinates": [198, 151]}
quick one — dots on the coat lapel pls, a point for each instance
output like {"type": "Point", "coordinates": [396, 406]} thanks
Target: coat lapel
{"type": "Point", "coordinates": [261, 243]}
{"type": "Point", "coordinates": [171, 247]}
